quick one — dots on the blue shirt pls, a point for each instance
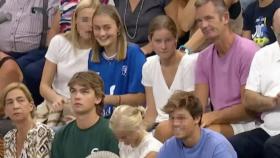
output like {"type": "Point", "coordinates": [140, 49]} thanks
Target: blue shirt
{"type": "Point", "coordinates": [211, 145]}
{"type": "Point", "coordinates": [258, 20]}
{"type": "Point", "coordinates": [120, 77]}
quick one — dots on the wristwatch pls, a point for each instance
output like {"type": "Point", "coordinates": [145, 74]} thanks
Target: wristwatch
{"type": "Point", "coordinates": [185, 49]}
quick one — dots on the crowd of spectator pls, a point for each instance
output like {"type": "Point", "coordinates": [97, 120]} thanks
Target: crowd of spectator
{"type": "Point", "coordinates": [140, 78]}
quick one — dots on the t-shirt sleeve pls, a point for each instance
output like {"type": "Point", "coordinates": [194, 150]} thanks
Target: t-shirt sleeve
{"type": "Point", "coordinates": [112, 142]}
{"type": "Point", "coordinates": [246, 64]}
{"type": "Point", "coordinates": [189, 72]}
{"type": "Point", "coordinates": [200, 72]}
{"type": "Point", "coordinates": [135, 71]}
{"type": "Point", "coordinates": [113, 145]}
{"type": "Point", "coordinates": [223, 150]}
{"type": "Point", "coordinates": [54, 51]}
{"type": "Point", "coordinates": [253, 81]}
{"type": "Point", "coordinates": [163, 153]}
{"type": "Point", "coordinates": [146, 74]}
{"type": "Point", "coordinates": [56, 151]}
{"type": "Point", "coordinates": [151, 146]}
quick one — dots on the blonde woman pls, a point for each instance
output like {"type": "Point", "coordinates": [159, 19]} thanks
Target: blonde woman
{"type": "Point", "coordinates": [28, 139]}
{"type": "Point", "coordinates": [67, 54]}
{"type": "Point", "coordinates": [127, 124]}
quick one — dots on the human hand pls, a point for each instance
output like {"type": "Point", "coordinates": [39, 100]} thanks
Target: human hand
{"type": "Point", "coordinates": [58, 103]}
{"type": "Point", "coordinates": [208, 119]}
{"type": "Point", "coordinates": [68, 118]}
{"type": "Point", "coordinates": [276, 100]}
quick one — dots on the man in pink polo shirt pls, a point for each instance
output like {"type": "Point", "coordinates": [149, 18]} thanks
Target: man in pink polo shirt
{"type": "Point", "coordinates": [222, 70]}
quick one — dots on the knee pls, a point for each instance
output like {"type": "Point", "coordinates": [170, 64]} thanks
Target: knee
{"type": "Point", "coordinates": [238, 142]}
{"type": "Point", "coordinates": [33, 71]}
{"type": "Point", "coordinates": [272, 143]}
{"type": "Point", "coordinates": [163, 131]}
{"type": "Point", "coordinates": [11, 72]}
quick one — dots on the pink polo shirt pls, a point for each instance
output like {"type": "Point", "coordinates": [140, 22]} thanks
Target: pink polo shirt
{"type": "Point", "coordinates": [225, 75]}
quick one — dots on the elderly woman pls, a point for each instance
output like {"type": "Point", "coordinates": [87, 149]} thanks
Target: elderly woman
{"type": "Point", "coordinates": [27, 139]}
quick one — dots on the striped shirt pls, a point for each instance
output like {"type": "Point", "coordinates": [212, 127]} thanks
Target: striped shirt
{"type": "Point", "coordinates": [23, 32]}
{"type": "Point", "coordinates": [67, 8]}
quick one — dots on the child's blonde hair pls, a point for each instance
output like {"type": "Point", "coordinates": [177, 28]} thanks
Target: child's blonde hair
{"type": "Point", "coordinates": [128, 118]}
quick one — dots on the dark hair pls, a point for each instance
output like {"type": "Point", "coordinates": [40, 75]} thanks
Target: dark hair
{"type": "Point", "coordinates": [219, 5]}
{"type": "Point", "coordinates": [162, 22]}
{"type": "Point", "coordinates": [186, 100]}
{"type": "Point", "coordinates": [93, 81]}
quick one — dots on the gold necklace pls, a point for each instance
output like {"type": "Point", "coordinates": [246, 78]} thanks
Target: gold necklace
{"type": "Point", "coordinates": [137, 20]}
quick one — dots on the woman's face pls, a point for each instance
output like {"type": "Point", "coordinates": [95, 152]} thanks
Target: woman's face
{"type": "Point", "coordinates": [163, 43]}
{"type": "Point", "coordinates": [17, 107]}
{"type": "Point", "coordinates": [84, 23]}
{"type": "Point", "coordinates": [105, 30]}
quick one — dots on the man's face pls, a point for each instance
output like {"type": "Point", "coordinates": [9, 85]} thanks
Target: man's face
{"type": "Point", "coordinates": [83, 99]}
{"type": "Point", "coordinates": [210, 21]}
{"type": "Point", "coordinates": [183, 124]}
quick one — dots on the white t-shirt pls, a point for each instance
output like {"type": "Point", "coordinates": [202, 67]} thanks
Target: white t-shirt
{"type": "Point", "coordinates": [152, 77]}
{"type": "Point", "coordinates": [68, 61]}
{"type": "Point", "coordinates": [148, 144]}
{"type": "Point", "coordinates": [264, 78]}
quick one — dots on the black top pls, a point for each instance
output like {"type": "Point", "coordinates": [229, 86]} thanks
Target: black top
{"type": "Point", "coordinates": [258, 20]}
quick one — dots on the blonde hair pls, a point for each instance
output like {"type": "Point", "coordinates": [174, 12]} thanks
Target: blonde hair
{"type": "Point", "coordinates": [128, 118]}
{"type": "Point", "coordinates": [73, 35]}
{"type": "Point", "coordinates": [112, 12]}
{"type": "Point", "coordinates": [13, 86]}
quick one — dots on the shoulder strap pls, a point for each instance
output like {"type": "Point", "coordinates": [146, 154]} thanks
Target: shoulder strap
{"type": "Point", "coordinates": [45, 24]}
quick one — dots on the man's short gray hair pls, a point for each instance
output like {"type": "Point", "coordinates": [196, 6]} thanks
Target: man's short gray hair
{"type": "Point", "coordinates": [219, 5]}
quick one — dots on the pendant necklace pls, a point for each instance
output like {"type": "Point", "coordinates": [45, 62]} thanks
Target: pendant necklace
{"type": "Point", "coordinates": [137, 20]}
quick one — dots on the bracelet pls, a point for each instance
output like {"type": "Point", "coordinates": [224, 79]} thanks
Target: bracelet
{"type": "Point", "coordinates": [185, 49]}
